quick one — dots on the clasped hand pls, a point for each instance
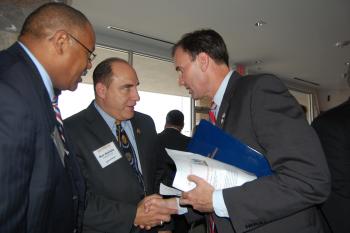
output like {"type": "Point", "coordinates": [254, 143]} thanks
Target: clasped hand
{"type": "Point", "coordinates": [153, 210]}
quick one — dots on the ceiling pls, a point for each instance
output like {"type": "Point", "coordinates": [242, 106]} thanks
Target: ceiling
{"type": "Point", "coordinates": [298, 39]}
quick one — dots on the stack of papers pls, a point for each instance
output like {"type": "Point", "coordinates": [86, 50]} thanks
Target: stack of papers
{"type": "Point", "coordinates": [216, 173]}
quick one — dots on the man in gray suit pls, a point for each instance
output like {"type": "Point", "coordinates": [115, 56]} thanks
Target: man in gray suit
{"type": "Point", "coordinates": [119, 182]}
{"type": "Point", "coordinates": [259, 111]}
{"type": "Point", "coordinates": [41, 188]}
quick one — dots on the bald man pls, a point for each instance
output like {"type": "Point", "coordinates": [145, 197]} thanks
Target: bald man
{"type": "Point", "coordinates": [41, 189]}
{"type": "Point", "coordinates": [119, 181]}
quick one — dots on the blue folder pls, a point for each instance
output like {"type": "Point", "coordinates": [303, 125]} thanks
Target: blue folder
{"type": "Point", "coordinates": [212, 141]}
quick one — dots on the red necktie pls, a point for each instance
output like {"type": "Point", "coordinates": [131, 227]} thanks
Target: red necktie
{"type": "Point", "coordinates": [212, 116]}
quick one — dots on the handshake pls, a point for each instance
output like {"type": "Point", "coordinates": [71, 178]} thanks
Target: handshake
{"type": "Point", "coordinates": [153, 211]}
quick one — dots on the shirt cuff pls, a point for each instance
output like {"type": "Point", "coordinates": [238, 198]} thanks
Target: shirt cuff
{"type": "Point", "coordinates": [219, 204]}
{"type": "Point", "coordinates": [180, 210]}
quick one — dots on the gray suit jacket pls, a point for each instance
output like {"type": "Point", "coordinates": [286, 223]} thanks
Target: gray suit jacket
{"type": "Point", "coordinates": [259, 111]}
{"type": "Point", "coordinates": [113, 192]}
{"type": "Point", "coordinates": [333, 128]}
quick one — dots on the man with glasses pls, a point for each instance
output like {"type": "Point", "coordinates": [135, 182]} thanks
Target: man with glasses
{"type": "Point", "coordinates": [42, 190]}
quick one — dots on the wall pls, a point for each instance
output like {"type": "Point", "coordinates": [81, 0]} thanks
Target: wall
{"type": "Point", "coordinates": [331, 98]}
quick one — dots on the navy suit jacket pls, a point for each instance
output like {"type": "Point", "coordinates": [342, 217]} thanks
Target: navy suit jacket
{"type": "Point", "coordinates": [259, 111]}
{"type": "Point", "coordinates": [37, 193]}
{"type": "Point", "coordinates": [114, 191]}
{"type": "Point", "coordinates": [333, 128]}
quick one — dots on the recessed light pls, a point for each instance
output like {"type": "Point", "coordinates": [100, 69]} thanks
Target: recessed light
{"type": "Point", "coordinates": [259, 23]}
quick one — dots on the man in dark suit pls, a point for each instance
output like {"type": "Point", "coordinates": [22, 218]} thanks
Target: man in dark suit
{"type": "Point", "coordinates": [171, 137]}
{"type": "Point", "coordinates": [116, 190]}
{"type": "Point", "coordinates": [42, 190]}
{"type": "Point", "coordinates": [259, 111]}
{"type": "Point", "coordinates": [333, 129]}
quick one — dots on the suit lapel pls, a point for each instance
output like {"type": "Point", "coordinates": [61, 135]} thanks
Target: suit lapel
{"type": "Point", "coordinates": [225, 104]}
{"type": "Point", "coordinates": [98, 125]}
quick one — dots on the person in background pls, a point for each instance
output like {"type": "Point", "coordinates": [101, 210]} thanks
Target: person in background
{"type": "Point", "coordinates": [171, 137]}
{"type": "Point", "coordinates": [42, 190]}
{"type": "Point", "coordinates": [120, 155]}
{"type": "Point", "coordinates": [260, 112]}
{"type": "Point", "coordinates": [333, 129]}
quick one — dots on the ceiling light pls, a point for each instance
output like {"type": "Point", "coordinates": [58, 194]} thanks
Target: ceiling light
{"type": "Point", "coordinates": [341, 44]}
{"type": "Point", "coordinates": [139, 34]}
{"type": "Point", "coordinates": [259, 23]}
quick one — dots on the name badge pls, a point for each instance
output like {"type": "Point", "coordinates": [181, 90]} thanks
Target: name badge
{"type": "Point", "coordinates": [107, 154]}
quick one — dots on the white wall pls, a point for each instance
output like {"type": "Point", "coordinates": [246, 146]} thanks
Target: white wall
{"type": "Point", "coordinates": [331, 98]}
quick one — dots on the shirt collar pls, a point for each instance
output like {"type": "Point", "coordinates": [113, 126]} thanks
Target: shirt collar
{"type": "Point", "coordinates": [43, 74]}
{"type": "Point", "coordinates": [109, 119]}
{"type": "Point", "coordinates": [219, 95]}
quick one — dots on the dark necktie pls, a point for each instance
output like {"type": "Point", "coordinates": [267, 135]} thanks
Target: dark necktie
{"type": "Point", "coordinates": [128, 151]}
{"type": "Point", "coordinates": [59, 121]}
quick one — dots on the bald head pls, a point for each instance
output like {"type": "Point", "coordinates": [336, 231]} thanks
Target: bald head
{"type": "Point", "coordinates": [103, 72]}
{"type": "Point", "coordinates": [51, 17]}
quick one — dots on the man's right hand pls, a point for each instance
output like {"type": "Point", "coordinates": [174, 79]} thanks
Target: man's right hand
{"type": "Point", "coordinates": [152, 211]}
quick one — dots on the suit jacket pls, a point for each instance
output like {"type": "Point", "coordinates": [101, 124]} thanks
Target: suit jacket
{"type": "Point", "coordinates": [333, 129]}
{"type": "Point", "coordinates": [38, 194]}
{"type": "Point", "coordinates": [259, 111]}
{"type": "Point", "coordinates": [113, 192]}
{"type": "Point", "coordinates": [173, 139]}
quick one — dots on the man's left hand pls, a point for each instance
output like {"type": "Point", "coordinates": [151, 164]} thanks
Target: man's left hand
{"type": "Point", "coordinates": [201, 197]}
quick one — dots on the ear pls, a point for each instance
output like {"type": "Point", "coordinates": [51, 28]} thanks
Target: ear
{"type": "Point", "coordinates": [60, 41]}
{"type": "Point", "coordinates": [101, 90]}
{"type": "Point", "coordinates": [203, 60]}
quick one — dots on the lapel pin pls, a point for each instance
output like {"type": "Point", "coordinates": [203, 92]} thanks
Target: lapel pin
{"type": "Point", "coordinates": [223, 118]}
{"type": "Point", "coordinates": [138, 131]}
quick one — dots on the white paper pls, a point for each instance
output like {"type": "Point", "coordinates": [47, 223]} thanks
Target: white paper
{"type": "Point", "coordinates": [218, 174]}
{"type": "Point", "coordinates": [169, 191]}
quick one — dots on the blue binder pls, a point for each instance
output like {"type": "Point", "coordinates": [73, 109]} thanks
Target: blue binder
{"type": "Point", "coordinates": [211, 141]}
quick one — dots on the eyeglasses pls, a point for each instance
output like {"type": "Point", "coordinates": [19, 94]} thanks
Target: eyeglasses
{"type": "Point", "coordinates": [92, 55]}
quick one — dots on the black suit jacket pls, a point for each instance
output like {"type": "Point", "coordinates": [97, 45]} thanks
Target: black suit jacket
{"type": "Point", "coordinates": [173, 139]}
{"type": "Point", "coordinates": [333, 128]}
{"type": "Point", "coordinates": [259, 111]}
{"type": "Point", "coordinates": [38, 194]}
{"type": "Point", "coordinates": [113, 192]}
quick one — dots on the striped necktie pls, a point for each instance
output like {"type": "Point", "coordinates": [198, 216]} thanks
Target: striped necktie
{"type": "Point", "coordinates": [128, 151]}
{"type": "Point", "coordinates": [59, 121]}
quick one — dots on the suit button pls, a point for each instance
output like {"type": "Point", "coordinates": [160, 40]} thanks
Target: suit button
{"type": "Point", "coordinates": [75, 230]}
{"type": "Point", "coordinates": [75, 197]}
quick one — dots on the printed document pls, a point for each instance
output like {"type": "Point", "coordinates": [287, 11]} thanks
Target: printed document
{"type": "Point", "coordinates": [218, 174]}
